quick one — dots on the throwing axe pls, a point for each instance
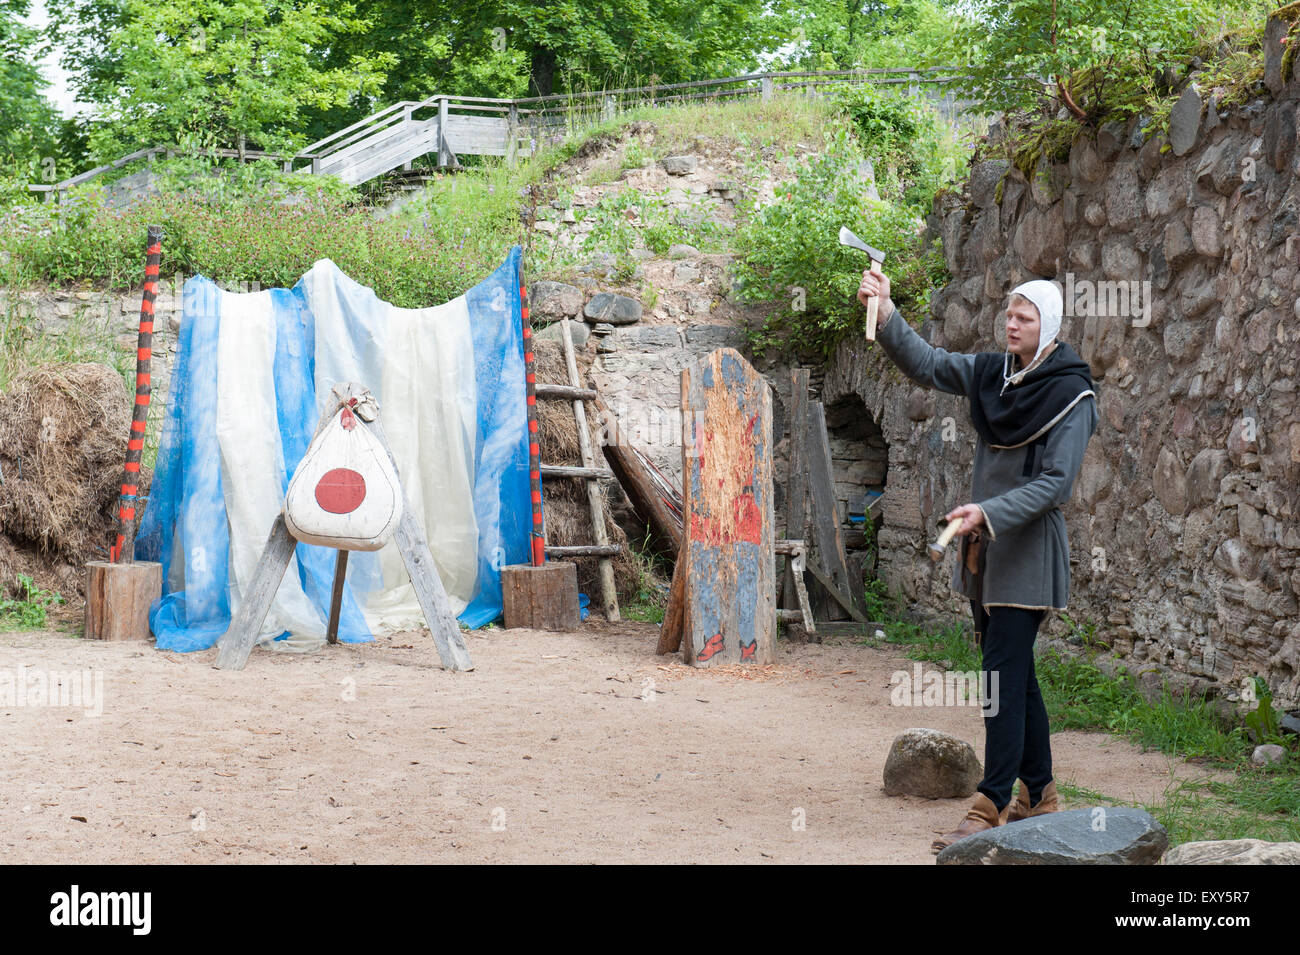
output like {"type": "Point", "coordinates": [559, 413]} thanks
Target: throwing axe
{"type": "Point", "coordinates": [873, 304]}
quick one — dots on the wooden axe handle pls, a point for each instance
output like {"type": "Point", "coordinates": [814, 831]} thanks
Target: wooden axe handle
{"type": "Point", "coordinates": [873, 306]}
{"type": "Point", "coordinates": [936, 549]}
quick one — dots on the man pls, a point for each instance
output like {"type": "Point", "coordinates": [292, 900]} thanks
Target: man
{"type": "Point", "coordinates": [1034, 409]}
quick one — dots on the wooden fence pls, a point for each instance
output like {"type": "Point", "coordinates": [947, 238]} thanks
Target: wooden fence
{"type": "Point", "coordinates": [451, 126]}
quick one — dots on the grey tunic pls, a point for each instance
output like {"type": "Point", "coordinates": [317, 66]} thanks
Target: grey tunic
{"type": "Point", "coordinates": [1020, 489]}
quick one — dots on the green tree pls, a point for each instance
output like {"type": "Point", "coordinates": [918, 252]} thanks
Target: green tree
{"type": "Point", "coordinates": [236, 73]}
{"type": "Point", "coordinates": [851, 34]}
{"type": "Point", "coordinates": [1073, 50]}
{"type": "Point", "coordinates": [28, 121]}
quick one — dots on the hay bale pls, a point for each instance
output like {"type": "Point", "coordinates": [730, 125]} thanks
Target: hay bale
{"type": "Point", "coordinates": [564, 501]}
{"type": "Point", "coordinates": [62, 444]}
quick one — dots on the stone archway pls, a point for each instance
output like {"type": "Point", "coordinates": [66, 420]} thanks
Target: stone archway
{"type": "Point", "coordinates": [860, 464]}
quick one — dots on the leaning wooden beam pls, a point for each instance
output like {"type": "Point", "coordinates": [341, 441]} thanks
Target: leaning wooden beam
{"type": "Point", "coordinates": [237, 643]}
{"type": "Point", "coordinates": [636, 483]}
{"type": "Point", "coordinates": [826, 534]}
{"type": "Point", "coordinates": [424, 578]}
{"type": "Point", "coordinates": [831, 588]}
{"type": "Point", "coordinates": [670, 631]}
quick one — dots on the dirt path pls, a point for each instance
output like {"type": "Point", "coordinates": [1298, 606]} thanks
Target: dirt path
{"type": "Point", "coordinates": [555, 738]}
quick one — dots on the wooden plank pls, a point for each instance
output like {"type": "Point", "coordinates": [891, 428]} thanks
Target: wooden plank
{"type": "Point", "coordinates": [237, 643]}
{"type": "Point", "coordinates": [826, 536]}
{"type": "Point", "coordinates": [729, 566]}
{"type": "Point", "coordinates": [583, 550]}
{"type": "Point", "coordinates": [796, 484]}
{"type": "Point", "coordinates": [424, 578]}
{"type": "Point", "coordinates": [646, 500]}
{"type": "Point", "coordinates": [570, 471]}
{"type": "Point", "coordinates": [336, 597]}
{"type": "Point", "coordinates": [670, 631]}
{"type": "Point", "coordinates": [608, 593]}
{"type": "Point", "coordinates": [118, 598]}
{"type": "Point", "coordinates": [831, 588]}
{"type": "Point", "coordinates": [565, 391]}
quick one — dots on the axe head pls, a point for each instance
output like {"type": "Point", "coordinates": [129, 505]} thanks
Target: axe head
{"type": "Point", "coordinates": [853, 242]}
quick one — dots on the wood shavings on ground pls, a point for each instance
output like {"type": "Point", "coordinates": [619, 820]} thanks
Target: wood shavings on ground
{"type": "Point", "coordinates": [734, 672]}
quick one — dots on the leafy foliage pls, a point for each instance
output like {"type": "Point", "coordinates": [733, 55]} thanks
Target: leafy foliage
{"type": "Point", "coordinates": [29, 607]}
{"type": "Point", "coordinates": [216, 73]}
{"type": "Point", "coordinates": [788, 251]}
{"type": "Point", "coordinates": [28, 122]}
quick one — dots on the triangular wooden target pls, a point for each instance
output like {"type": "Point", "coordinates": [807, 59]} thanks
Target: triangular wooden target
{"type": "Point", "coordinates": [237, 643]}
{"type": "Point", "coordinates": [728, 554]}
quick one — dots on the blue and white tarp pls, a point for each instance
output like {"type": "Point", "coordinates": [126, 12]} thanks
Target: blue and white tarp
{"type": "Point", "coordinates": [253, 374]}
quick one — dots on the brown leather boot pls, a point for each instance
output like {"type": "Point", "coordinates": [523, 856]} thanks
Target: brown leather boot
{"type": "Point", "coordinates": [1019, 807]}
{"type": "Point", "coordinates": [981, 815]}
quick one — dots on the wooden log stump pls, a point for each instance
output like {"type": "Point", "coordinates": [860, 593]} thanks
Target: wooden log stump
{"type": "Point", "coordinates": [540, 598]}
{"type": "Point", "coordinates": [118, 597]}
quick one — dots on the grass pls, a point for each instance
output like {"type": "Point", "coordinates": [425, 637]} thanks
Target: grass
{"type": "Point", "coordinates": [1258, 803]}
{"type": "Point", "coordinates": [650, 600]}
{"type": "Point", "coordinates": [29, 606]}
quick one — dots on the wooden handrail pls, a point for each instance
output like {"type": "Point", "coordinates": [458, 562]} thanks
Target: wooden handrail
{"type": "Point", "coordinates": [397, 113]}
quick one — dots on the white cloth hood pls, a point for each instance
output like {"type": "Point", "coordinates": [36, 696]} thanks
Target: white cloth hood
{"type": "Point", "coordinates": [1047, 299]}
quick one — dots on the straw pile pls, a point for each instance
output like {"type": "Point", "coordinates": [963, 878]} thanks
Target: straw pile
{"type": "Point", "coordinates": [62, 444]}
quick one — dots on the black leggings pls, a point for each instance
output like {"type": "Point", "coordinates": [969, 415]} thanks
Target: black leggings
{"type": "Point", "coordinates": [1017, 739]}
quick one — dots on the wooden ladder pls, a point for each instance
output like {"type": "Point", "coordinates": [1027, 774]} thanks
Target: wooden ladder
{"type": "Point", "coordinates": [588, 472]}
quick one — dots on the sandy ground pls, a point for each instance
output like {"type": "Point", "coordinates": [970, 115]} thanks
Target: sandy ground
{"type": "Point", "coordinates": [577, 748]}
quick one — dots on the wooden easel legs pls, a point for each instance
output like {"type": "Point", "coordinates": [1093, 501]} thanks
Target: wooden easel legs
{"type": "Point", "coordinates": [238, 642]}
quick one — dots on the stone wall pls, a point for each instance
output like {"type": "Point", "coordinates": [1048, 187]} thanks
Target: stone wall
{"type": "Point", "coordinates": [1179, 257]}
{"type": "Point", "coordinates": [97, 322]}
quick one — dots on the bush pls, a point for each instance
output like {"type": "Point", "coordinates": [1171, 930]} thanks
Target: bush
{"type": "Point", "coordinates": [255, 224]}
{"type": "Point", "coordinates": [789, 252]}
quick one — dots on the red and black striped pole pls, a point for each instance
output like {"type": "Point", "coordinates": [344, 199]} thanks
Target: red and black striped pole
{"type": "Point", "coordinates": [123, 551]}
{"type": "Point", "coordinates": [534, 448]}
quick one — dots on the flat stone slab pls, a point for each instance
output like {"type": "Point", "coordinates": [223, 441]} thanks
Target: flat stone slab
{"type": "Point", "coordinates": [1234, 852]}
{"type": "Point", "coordinates": [614, 309]}
{"type": "Point", "coordinates": [1102, 835]}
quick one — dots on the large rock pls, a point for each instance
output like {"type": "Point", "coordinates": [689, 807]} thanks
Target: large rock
{"type": "Point", "coordinates": [680, 165]}
{"type": "Point", "coordinates": [1275, 32]}
{"type": "Point", "coordinates": [1178, 247]}
{"type": "Point", "coordinates": [1170, 483]}
{"type": "Point", "coordinates": [1040, 240]}
{"type": "Point", "coordinates": [579, 331]}
{"type": "Point", "coordinates": [984, 178]}
{"type": "Point", "coordinates": [926, 762]}
{"type": "Point", "coordinates": [1234, 852]}
{"type": "Point", "coordinates": [612, 308]}
{"type": "Point", "coordinates": [1204, 475]}
{"type": "Point", "coordinates": [1096, 836]}
{"type": "Point", "coordinates": [1185, 121]}
{"type": "Point", "coordinates": [1124, 203]}
{"type": "Point", "coordinates": [1207, 232]}
{"type": "Point", "coordinates": [551, 300]}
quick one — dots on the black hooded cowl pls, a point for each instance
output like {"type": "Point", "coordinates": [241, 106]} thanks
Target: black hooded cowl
{"type": "Point", "coordinates": [1010, 418]}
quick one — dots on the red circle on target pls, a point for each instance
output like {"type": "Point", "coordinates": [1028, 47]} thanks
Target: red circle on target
{"type": "Point", "coordinates": [340, 491]}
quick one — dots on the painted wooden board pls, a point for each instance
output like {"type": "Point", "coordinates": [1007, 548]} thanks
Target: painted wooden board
{"type": "Point", "coordinates": [729, 607]}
